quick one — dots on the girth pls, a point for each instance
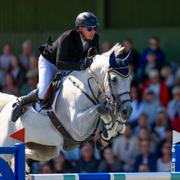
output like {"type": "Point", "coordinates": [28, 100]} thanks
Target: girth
{"type": "Point", "coordinates": [69, 142]}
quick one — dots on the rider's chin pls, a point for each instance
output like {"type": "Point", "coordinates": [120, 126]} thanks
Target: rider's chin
{"type": "Point", "coordinates": [89, 38]}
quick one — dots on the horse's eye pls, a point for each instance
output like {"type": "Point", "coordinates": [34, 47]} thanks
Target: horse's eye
{"type": "Point", "coordinates": [114, 79]}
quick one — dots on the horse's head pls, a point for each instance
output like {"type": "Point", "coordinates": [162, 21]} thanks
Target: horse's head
{"type": "Point", "coordinates": [114, 77]}
{"type": "Point", "coordinates": [117, 85]}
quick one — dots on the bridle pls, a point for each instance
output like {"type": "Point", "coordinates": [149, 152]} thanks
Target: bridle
{"type": "Point", "coordinates": [117, 104]}
{"type": "Point", "coordinates": [114, 104]}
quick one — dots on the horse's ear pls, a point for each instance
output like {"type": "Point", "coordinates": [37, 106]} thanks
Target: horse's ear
{"type": "Point", "coordinates": [124, 61]}
{"type": "Point", "coordinates": [112, 60]}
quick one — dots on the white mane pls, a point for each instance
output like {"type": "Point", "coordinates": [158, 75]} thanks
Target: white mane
{"type": "Point", "coordinates": [117, 48]}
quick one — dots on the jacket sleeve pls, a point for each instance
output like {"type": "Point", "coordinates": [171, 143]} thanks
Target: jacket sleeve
{"type": "Point", "coordinates": [63, 60]}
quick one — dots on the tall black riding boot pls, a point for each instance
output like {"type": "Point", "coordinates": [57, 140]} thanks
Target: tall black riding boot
{"type": "Point", "coordinates": [24, 100]}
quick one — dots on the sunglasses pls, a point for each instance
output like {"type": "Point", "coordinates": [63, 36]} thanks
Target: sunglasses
{"type": "Point", "coordinates": [91, 28]}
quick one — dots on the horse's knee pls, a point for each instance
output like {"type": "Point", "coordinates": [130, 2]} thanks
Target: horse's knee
{"type": "Point", "coordinates": [41, 152]}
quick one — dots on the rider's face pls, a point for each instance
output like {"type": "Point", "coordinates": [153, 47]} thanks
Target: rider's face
{"type": "Point", "coordinates": [88, 32]}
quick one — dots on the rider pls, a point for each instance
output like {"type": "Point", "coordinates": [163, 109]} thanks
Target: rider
{"type": "Point", "coordinates": [68, 52]}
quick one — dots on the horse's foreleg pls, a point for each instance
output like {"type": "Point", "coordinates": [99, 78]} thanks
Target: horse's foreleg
{"type": "Point", "coordinates": [111, 129]}
{"type": "Point", "coordinates": [41, 152]}
{"type": "Point", "coordinates": [110, 126]}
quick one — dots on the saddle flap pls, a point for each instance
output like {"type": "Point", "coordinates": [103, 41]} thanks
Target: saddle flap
{"type": "Point", "coordinates": [54, 87]}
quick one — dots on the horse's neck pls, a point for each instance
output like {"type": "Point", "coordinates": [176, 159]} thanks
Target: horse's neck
{"type": "Point", "coordinates": [96, 75]}
{"type": "Point", "coordinates": [82, 78]}
{"type": "Point", "coordinates": [99, 67]}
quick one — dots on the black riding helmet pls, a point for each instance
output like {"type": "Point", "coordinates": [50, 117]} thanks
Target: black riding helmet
{"type": "Point", "coordinates": [86, 19]}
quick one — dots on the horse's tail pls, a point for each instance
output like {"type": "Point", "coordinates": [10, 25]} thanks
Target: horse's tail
{"type": "Point", "coordinates": [4, 99]}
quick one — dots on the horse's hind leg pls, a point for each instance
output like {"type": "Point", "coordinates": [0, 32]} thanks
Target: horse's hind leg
{"type": "Point", "coordinates": [41, 152]}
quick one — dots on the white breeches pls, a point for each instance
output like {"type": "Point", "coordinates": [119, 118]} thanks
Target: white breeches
{"type": "Point", "coordinates": [47, 72]}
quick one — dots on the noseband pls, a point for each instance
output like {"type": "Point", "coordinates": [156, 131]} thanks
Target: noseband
{"type": "Point", "coordinates": [115, 104]}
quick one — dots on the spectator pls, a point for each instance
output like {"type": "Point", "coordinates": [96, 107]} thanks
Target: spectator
{"type": "Point", "coordinates": [110, 163]}
{"type": "Point", "coordinates": [161, 123]}
{"type": "Point", "coordinates": [129, 47]}
{"type": "Point", "coordinates": [149, 106]}
{"type": "Point", "coordinates": [174, 103]}
{"type": "Point", "coordinates": [62, 165]}
{"type": "Point", "coordinates": [26, 54]}
{"type": "Point", "coordinates": [167, 74]}
{"type": "Point", "coordinates": [146, 157]}
{"type": "Point", "coordinates": [135, 106]}
{"type": "Point", "coordinates": [47, 167]}
{"type": "Point", "coordinates": [31, 84]}
{"type": "Point", "coordinates": [143, 134]}
{"type": "Point", "coordinates": [154, 46]}
{"type": "Point", "coordinates": [87, 162]}
{"type": "Point", "coordinates": [11, 87]}
{"type": "Point", "coordinates": [167, 138]}
{"type": "Point", "coordinates": [16, 69]}
{"type": "Point", "coordinates": [6, 57]}
{"type": "Point", "coordinates": [34, 63]}
{"type": "Point", "coordinates": [142, 122]}
{"type": "Point", "coordinates": [125, 147]}
{"type": "Point", "coordinates": [158, 86]}
{"type": "Point", "coordinates": [143, 168]}
{"type": "Point", "coordinates": [106, 46]}
{"type": "Point", "coordinates": [5, 60]}
{"type": "Point", "coordinates": [164, 163]}
{"type": "Point", "coordinates": [152, 57]}
{"type": "Point", "coordinates": [151, 63]}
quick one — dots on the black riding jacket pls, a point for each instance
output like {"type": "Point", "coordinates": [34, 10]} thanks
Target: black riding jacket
{"type": "Point", "coordinates": [67, 50]}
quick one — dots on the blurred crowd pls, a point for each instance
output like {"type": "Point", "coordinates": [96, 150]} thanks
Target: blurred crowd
{"type": "Point", "coordinates": [19, 74]}
{"type": "Point", "coordinates": [146, 144]}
